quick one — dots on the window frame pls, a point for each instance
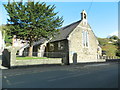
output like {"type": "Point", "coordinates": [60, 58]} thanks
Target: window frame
{"type": "Point", "coordinates": [60, 45]}
{"type": "Point", "coordinates": [52, 45]}
{"type": "Point", "coordinates": [85, 39]}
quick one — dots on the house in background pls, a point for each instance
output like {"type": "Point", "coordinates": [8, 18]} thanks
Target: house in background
{"type": "Point", "coordinates": [77, 41]}
{"type": "Point", "coordinates": [38, 47]}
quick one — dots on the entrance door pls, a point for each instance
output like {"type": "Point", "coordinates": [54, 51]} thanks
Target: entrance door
{"type": "Point", "coordinates": [75, 58]}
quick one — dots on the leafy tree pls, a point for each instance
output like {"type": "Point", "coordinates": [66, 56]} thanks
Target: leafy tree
{"type": "Point", "coordinates": [103, 41]}
{"type": "Point", "coordinates": [118, 53]}
{"type": "Point", "coordinates": [32, 21]}
{"type": "Point", "coordinates": [114, 37]}
{"type": "Point", "coordinates": [109, 48]}
{"type": "Point", "coordinates": [7, 38]}
{"type": "Point", "coordinates": [118, 49]}
{"type": "Point", "coordinates": [2, 30]}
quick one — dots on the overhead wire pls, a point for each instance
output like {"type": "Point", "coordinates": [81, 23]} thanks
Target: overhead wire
{"type": "Point", "coordinates": [90, 7]}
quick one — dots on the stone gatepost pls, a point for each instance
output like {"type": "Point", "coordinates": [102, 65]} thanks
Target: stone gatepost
{"type": "Point", "coordinates": [9, 56]}
{"type": "Point", "coordinates": [0, 58]}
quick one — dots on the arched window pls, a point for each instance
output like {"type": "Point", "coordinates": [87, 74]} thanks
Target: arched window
{"type": "Point", "coordinates": [60, 45]}
{"type": "Point", "coordinates": [51, 47]}
{"type": "Point", "coordinates": [85, 39]}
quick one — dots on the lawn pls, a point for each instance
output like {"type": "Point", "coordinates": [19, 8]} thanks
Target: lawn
{"type": "Point", "coordinates": [30, 58]}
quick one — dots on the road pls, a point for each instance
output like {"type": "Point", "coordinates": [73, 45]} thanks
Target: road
{"type": "Point", "coordinates": [101, 75]}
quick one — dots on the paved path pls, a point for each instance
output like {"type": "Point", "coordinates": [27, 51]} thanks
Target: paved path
{"type": "Point", "coordinates": [102, 75]}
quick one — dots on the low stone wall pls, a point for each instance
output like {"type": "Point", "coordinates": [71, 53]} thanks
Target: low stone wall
{"type": "Point", "coordinates": [9, 59]}
{"type": "Point", "coordinates": [37, 62]}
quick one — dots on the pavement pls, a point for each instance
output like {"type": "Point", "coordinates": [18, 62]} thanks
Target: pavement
{"type": "Point", "coordinates": [97, 75]}
{"type": "Point", "coordinates": [2, 67]}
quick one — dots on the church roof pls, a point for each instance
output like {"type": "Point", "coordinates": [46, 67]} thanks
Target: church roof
{"type": "Point", "coordinates": [65, 31]}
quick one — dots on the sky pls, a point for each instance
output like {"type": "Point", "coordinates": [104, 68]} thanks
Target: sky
{"type": "Point", "coordinates": [102, 16]}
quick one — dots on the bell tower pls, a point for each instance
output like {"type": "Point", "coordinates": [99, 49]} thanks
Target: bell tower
{"type": "Point", "coordinates": [84, 16]}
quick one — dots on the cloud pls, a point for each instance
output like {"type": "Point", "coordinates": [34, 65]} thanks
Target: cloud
{"type": "Point", "coordinates": [114, 33]}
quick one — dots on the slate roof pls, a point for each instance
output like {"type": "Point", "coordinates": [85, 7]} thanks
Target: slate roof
{"type": "Point", "coordinates": [63, 34]}
{"type": "Point", "coordinates": [65, 31]}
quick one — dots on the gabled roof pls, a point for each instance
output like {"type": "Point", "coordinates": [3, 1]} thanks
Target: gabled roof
{"type": "Point", "coordinates": [65, 31]}
{"type": "Point", "coordinates": [63, 34]}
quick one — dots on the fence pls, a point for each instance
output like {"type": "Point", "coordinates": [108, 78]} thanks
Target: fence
{"type": "Point", "coordinates": [45, 54]}
{"type": "Point", "coordinates": [109, 57]}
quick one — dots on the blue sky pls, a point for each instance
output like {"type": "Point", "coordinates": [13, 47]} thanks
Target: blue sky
{"type": "Point", "coordinates": [102, 16]}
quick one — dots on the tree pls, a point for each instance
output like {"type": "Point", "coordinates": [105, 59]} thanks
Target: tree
{"type": "Point", "coordinates": [114, 37]}
{"type": "Point", "coordinates": [118, 49]}
{"type": "Point", "coordinates": [6, 37]}
{"type": "Point", "coordinates": [109, 48]}
{"type": "Point", "coordinates": [118, 53]}
{"type": "Point", "coordinates": [103, 41]}
{"type": "Point", "coordinates": [32, 21]}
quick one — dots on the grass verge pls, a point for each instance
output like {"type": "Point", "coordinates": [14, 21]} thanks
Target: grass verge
{"type": "Point", "coordinates": [30, 58]}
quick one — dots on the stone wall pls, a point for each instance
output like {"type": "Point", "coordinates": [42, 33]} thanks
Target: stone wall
{"type": "Point", "coordinates": [38, 62]}
{"type": "Point", "coordinates": [9, 59]}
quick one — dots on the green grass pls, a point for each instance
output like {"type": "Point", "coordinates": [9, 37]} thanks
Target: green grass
{"type": "Point", "coordinates": [30, 58]}
{"type": "Point", "coordinates": [110, 48]}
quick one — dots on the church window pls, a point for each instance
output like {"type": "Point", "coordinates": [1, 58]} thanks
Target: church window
{"type": "Point", "coordinates": [85, 38]}
{"type": "Point", "coordinates": [60, 45]}
{"type": "Point", "coordinates": [51, 46]}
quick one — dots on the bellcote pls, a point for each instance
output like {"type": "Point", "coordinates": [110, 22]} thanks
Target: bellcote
{"type": "Point", "coordinates": [84, 17]}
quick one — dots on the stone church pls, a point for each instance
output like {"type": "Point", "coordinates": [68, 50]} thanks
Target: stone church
{"type": "Point", "coordinates": [77, 41]}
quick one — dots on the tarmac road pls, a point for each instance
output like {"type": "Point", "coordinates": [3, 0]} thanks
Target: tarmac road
{"type": "Point", "coordinates": [100, 75]}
